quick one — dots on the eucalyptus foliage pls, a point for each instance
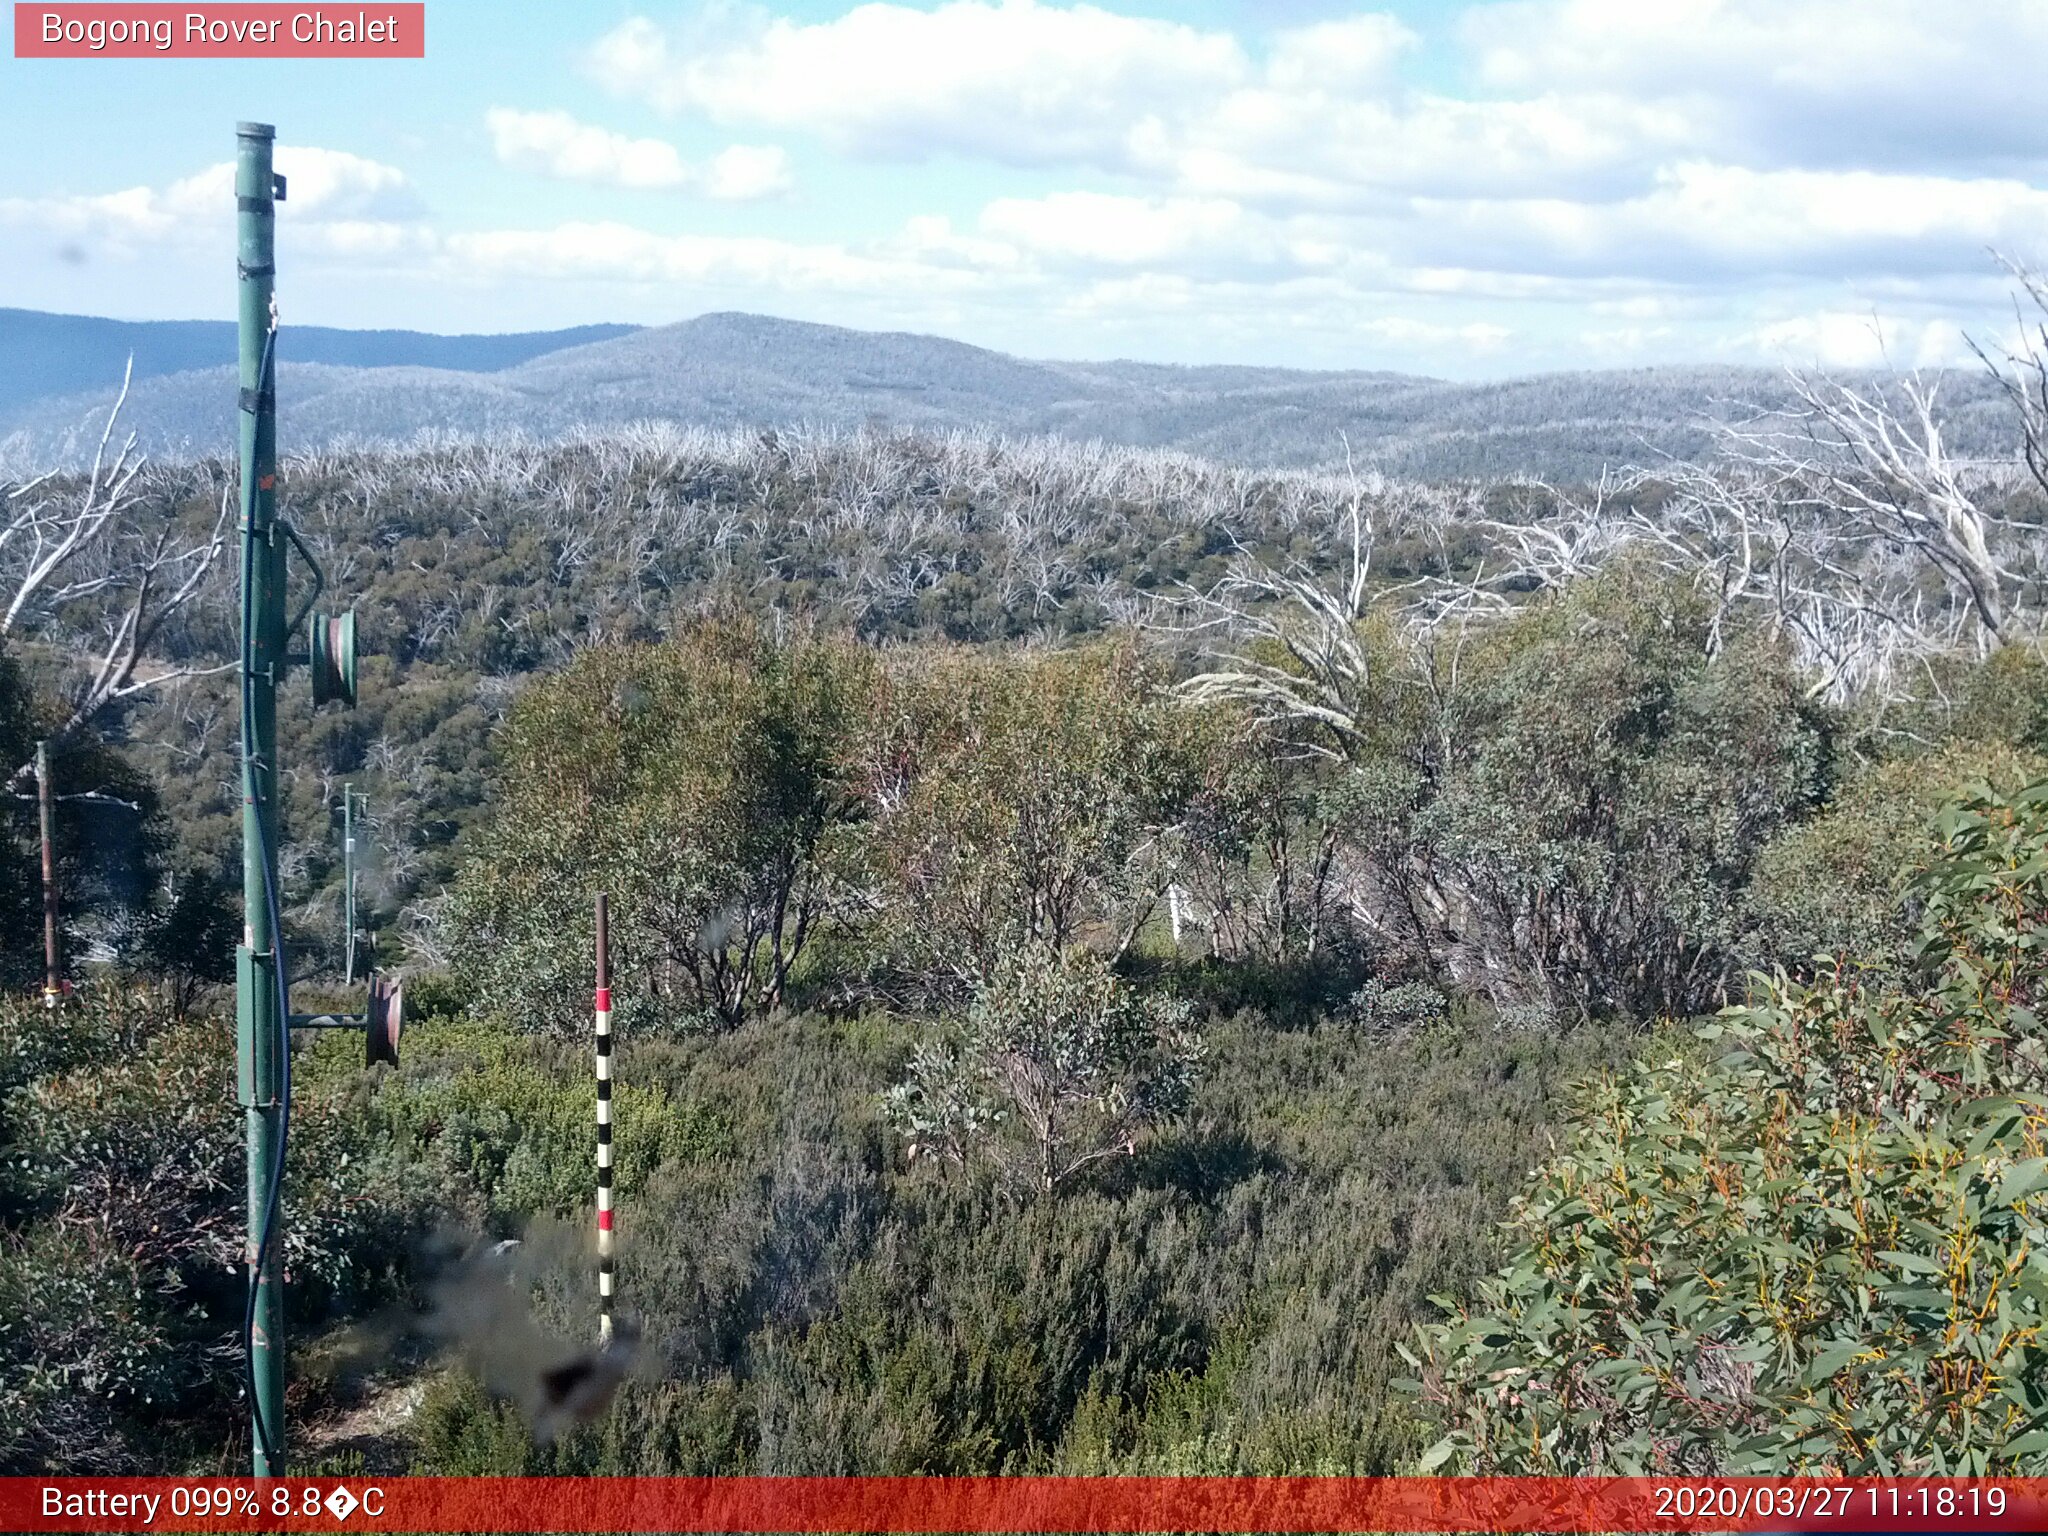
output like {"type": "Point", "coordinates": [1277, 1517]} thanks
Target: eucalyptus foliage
{"type": "Point", "coordinates": [1607, 770]}
{"type": "Point", "coordinates": [1827, 1251]}
{"type": "Point", "coordinates": [1026, 801]}
{"type": "Point", "coordinates": [123, 1202]}
{"type": "Point", "coordinates": [701, 784]}
{"type": "Point", "coordinates": [1831, 884]}
{"type": "Point", "coordinates": [1058, 1066]}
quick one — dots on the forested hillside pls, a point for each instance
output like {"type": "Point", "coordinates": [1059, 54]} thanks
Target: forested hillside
{"type": "Point", "coordinates": [1102, 937]}
{"type": "Point", "coordinates": [55, 355]}
{"type": "Point", "coordinates": [753, 371]}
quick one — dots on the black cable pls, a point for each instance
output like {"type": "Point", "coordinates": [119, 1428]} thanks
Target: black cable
{"type": "Point", "coordinates": [272, 1450]}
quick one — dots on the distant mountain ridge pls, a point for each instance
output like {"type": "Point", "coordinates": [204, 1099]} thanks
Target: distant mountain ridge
{"type": "Point", "coordinates": [44, 354]}
{"type": "Point", "coordinates": [730, 369]}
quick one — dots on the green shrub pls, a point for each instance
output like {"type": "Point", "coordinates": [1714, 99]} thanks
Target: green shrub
{"type": "Point", "coordinates": [2002, 697]}
{"type": "Point", "coordinates": [189, 943]}
{"type": "Point", "coordinates": [146, 1146]}
{"type": "Point", "coordinates": [1059, 1065]}
{"type": "Point", "coordinates": [1025, 801]}
{"type": "Point", "coordinates": [509, 1122]}
{"type": "Point", "coordinates": [93, 1343]}
{"type": "Point", "coordinates": [1830, 885]}
{"type": "Point", "coordinates": [460, 1430]}
{"type": "Point", "coordinates": [1614, 764]}
{"type": "Point", "coordinates": [1261, 848]}
{"type": "Point", "coordinates": [1524, 1018]}
{"type": "Point", "coordinates": [813, 1305]}
{"type": "Point", "coordinates": [672, 1429]}
{"type": "Point", "coordinates": [120, 1291]}
{"type": "Point", "coordinates": [96, 1026]}
{"type": "Point", "coordinates": [430, 994]}
{"type": "Point", "coordinates": [1827, 1251]}
{"type": "Point", "coordinates": [149, 1148]}
{"type": "Point", "coordinates": [109, 848]}
{"type": "Point", "coordinates": [704, 784]}
{"type": "Point", "coordinates": [1388, 1007]}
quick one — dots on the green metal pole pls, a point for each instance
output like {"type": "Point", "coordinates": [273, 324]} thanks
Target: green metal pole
{"type": "Point", "coordinates": [263, 619]}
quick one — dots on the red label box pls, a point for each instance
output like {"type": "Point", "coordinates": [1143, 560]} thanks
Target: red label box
{"type": "Point", "coordinates": [1304, 1506]}
{"type": "Point", "coordinates": [118, 31]}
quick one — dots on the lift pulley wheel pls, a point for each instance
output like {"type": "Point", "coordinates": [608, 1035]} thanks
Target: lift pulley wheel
{"type": "Point", "coordinates": [386, 1020]}
{"type": "Point", "coordinates": [333, 658]}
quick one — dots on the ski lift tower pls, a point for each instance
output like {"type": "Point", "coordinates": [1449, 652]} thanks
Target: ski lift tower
{"type": "Point", "coordinates": [263, 1017]}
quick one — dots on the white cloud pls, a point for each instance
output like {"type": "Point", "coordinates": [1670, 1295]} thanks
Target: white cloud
{"type": "Point", "coordinates": [624, 253]}
{"type": "Point", "coordinates": [1100, 229]}
{"type": "Point", "coordinates": [1320, 118]}
{"type": "Point", "coordinates": [1308, 148]}
{"type": "Point", "coordinates": [556, 144]}
{"type": "Point", "coordinates": [1604, 179]}
{"type": "Point", "coordinates": [1888, 84]}
{"type": "Point", "coordinates": [364, 242]}
{"type": "Point", "coordinates": [743, 173]}
{"type": "Point", "coordinates": [1698, 225]}
{"type": "Point", "coordinates": [1018, 81]}
{"type": "Point", "coordinates": [1845, 339]}
{"type": "Point", "coordinates": [931, 238]}
{"type": "Point", "coordinates": [1624, 343]}
{"type": "Point", "coordinates": [1306, 310]}
{"type": "Point", "coordinates": [1357, 53]}
{"type": "Point", "coordinates": [1412, 334]}
{"type": "Point", "coordinates": [1657, 136]}
{"type": "Point", "coordinates": [1832, 338]}
{"type": "Point", "coordinates": [1704, 222]}
{"type": "Point", "coordinates": [333, 184]}
{"type": "Point", "coordinates": [1124, 298]}
{"type": "Point", "coordinates": [326, 189]}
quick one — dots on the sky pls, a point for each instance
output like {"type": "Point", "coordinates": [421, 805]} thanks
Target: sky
{"type": "Point", "coordinates": [1466, 190]}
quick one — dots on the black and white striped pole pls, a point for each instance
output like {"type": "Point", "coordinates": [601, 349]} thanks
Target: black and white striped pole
{"type": "Point", "coordinates": [604, 1126]}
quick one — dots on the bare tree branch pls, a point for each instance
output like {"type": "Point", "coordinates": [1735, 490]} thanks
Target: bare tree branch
{"type": "Point", "coordinates": [101, 554]}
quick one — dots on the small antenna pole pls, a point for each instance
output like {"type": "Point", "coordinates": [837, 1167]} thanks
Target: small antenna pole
{"type": "Point", "coordinates": [53, 962]}
{"type": "Point", "coordinates": [604, 1124]}
{"type": "Point", "coordinates": [348, 866]}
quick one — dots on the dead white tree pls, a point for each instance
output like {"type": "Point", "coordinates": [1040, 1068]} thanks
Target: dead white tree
{"type": "Point", "coordinates": [98, 549]}
{"type": "Point", "coordinates": [1822, 521]}
{"type": "Point", "coordinates": [1754, 541]}
{"type": "Point", "coordinates": [1320, 667]}
{"type": "Point", "coordinates": [2022, 368]}
{"type": "Point", "coordinates": [1879, 458]}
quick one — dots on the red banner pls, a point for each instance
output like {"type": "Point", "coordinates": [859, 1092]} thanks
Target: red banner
{"type": "Point", "coordinates": [1025, 1504]}
{"type": "Point", "coordinates": [115, 31]}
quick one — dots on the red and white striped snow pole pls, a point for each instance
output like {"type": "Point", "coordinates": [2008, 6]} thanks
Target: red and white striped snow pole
{"type": "Point", "coordinates": [604, 1126]}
